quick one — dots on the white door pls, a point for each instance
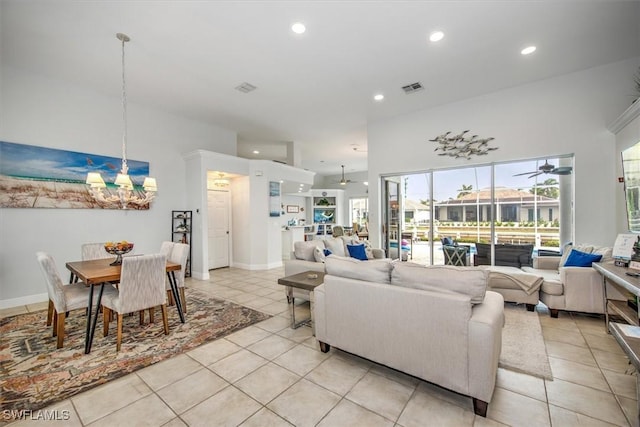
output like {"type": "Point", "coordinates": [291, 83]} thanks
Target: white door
{"type": "Point", "coordinates": [218, 203]}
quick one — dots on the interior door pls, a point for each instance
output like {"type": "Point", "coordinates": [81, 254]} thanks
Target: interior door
{"type": "Point", "coordinates": [218, 203]}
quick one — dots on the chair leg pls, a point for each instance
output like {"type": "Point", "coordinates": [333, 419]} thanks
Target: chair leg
{"type": "Point", "coordinates": [50, 313]}
{"type": "Point", "coordinates": [152, 315]}
{"type": "Point", "coordinates": [119, 337]}
{"type": "Point", "coordinates": [55, 322]}
{"type": "Point", "coordinates": [60, 328]}
{"type": "Point", "coordinates": [141, 317]}
{"type": "Point", "coordinates": [106, 317]}
{"type": "Point", "coordinates": [183, 298]}
{"type": "Point", "coordinates": [164, 319]}
{"type": "Point", "coordinates": [170, 297]}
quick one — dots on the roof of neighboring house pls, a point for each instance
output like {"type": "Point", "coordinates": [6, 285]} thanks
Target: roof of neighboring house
{"type": "Point", "coordinates": [502, 195]}
{"type": "Point", "coordinates": [412, 205]}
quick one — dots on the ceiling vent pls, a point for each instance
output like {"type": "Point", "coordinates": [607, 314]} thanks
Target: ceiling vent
{"type": "Point", "coordinates": [413, 87]}
{"type": "Point", "coordinates": [246, 87]}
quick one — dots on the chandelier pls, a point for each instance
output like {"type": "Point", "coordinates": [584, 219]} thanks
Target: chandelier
{"type": "Point", "coordinates": [460, 146]}
{"type": "Point", "coordinates": [125, 196]}
{"type": "Point", "coordinates": [221, 181]}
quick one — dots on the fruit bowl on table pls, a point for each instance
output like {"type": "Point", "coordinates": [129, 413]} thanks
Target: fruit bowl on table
{"type": "Point", "coordinates": [118, 249]}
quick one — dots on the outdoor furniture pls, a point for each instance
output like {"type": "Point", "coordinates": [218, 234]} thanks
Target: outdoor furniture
{"type": "Point", "coordinates": [507, 254]}
{"type": "Point", "coordinates": [456, 255]}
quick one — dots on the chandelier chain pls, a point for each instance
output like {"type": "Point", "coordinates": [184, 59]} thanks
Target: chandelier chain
{"type": "Point", "coordinates": [125, 168]}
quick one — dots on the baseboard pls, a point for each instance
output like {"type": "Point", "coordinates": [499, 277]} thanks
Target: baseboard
{"type": "Point", "coordinates": [29, 299]}
{"type": "Point", "coordinates": [269, 266]}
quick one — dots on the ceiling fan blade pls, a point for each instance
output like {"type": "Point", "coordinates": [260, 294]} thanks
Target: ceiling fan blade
{"type": "Point", "coordinates": [524, 173]}
{"type": "Point", "coordinates": [535, 174]}
{"type": "Point", "coordinates": [563, 170]}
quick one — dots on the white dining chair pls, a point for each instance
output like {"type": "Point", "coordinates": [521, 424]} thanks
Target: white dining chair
{"type": "Point", "coordinates": [63, 298]}
{"type": "Point", "coordinates": [91, 251]}
{"type": "Point", "coordinates": [142, 286]}
{"type": "Point", "coordinates": [165, 248]}
{"type": "Point", "coordinates": [179, 255]}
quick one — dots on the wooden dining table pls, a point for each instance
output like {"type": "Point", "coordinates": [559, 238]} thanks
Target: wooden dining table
{"type": "Point", "coordinates": [100, 272]}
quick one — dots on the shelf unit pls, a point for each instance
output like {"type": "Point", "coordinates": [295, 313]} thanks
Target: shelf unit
{"type": "Point", "coordinates": [181, 232]}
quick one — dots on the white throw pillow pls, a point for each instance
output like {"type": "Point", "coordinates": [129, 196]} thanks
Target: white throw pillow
{"type": "Point", "coordinates": [376, 270]}
{"type": "Point", "coordinates": [469, 281]}
{"type": "Point", "coordinates": [304, 250]}
{"type": "Point", "coordinates": [336, 246]}
{"type": "Point", "coordinates": [318, 254]}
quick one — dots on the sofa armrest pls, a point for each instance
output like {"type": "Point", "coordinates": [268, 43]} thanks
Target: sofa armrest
{"type": "Point", "coordinates": [583, 289]}
{"type": "Point", "coordinates": [319, 314]}
{"type": "Point", "coordinates": [546, 262]}
{"type": "Point", "coordinates": [485, 330]}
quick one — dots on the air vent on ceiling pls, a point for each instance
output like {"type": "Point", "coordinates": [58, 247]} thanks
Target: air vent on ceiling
{"type": "Point", "coordinates": [413, 87]}
{"type": "Point", "coordinates": [245, 87]}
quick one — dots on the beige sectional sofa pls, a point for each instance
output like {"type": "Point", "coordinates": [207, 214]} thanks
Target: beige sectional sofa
{"type": "Point", "coordinates": [437, 323]}
{"type": "Point", "coordinates": [573, 288]}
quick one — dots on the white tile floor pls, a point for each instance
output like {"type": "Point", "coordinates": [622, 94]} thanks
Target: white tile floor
{"type": "Point", "coordinates": [271, 375]}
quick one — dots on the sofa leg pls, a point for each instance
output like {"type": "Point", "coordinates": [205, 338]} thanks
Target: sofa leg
{"type": "Point", "coordinates": [480, 407]}
{"type": "Point", "coordinates": [530, 307]}
{"type": "Point", "coordinates": [324, 347]}
{"type": "Point", "coordinates": [553, 312]}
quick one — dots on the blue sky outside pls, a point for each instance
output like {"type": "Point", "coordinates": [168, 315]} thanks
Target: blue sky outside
{"type": "Point", "coordinates": [448, 182]}
{"type": "Point", "coordinates": [29, 161]}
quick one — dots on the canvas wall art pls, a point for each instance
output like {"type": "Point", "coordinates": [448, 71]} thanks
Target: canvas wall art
{"type": "Point", "coordinates": [41, 177]}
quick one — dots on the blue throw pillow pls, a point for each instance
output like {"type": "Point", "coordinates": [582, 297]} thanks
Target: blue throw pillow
{"type": "Point", "coordinates": [327, 252]}
{"type": "Point", "coordinates": [357, 252]}
{"type": "Point", "coordinates": [581, 259]}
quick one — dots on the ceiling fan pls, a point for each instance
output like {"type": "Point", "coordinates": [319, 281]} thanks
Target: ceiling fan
{"type": "Point", "coordinates": [344, 181]}
{"type": "Point", "coordinates": [548, 168]}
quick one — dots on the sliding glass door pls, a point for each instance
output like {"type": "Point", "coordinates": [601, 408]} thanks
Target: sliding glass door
{"type": "Point", "coordinates": [523, 202]}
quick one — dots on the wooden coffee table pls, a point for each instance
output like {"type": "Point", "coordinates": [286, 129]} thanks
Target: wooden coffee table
{"type": "Point", "coordinates": [306, 281]}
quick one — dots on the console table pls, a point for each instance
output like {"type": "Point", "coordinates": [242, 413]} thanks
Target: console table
{"type": "Point", "coordinates": [627, 335]}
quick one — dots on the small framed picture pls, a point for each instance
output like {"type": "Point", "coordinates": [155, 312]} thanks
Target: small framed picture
{"type": "Point", "coordinates": [293, 209]}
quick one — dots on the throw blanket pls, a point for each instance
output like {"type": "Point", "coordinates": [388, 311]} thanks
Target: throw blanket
{"type": "Point", "coordinates": [528, 282]}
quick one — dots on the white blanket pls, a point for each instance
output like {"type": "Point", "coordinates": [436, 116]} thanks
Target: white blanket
{"type": "Point", "coordinates": [528, 282]}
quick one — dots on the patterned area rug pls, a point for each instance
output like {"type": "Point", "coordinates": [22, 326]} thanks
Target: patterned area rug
{"type": "Point", "coordinates": [34, 374]}
{"type": "Point", "coordinates": [523, 347]}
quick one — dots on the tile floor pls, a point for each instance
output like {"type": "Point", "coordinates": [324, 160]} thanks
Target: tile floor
{"type": "Point", "coordinates": [271, 375]}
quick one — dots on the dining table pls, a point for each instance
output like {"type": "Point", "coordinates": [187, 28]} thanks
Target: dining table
{"type": "Point", "coordinates": [101, 272]}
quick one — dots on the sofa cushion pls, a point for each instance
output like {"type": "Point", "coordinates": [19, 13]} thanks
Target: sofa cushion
{"type": "Point", "coordinates": [336, 245]}
{"type": "Point", "coordinates": [375, 270]}
{"type": "Point", "coordinates": [305, 250]}
{"type": "Point", "coordinates": [581, 259]}
{"type": "Point", "coordinates": [551, 283]}
{"type": "Point", "coordinates": [464, 280]}
{"type": "Point", "coordinates": [357, 252]}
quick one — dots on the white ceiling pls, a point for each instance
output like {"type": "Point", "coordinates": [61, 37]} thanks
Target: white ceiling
{"type": "Point", "coordinates": [314, 89]}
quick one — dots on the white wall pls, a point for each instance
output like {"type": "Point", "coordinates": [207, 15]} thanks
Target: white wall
{"type": "Point", "coordinates": [52, 113]}
{"type": "Point", "coordinates": [562, 115]}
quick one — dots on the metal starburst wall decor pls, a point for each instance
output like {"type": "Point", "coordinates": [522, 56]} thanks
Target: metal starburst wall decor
{"type": "Point", "coordinates": [461, 146]}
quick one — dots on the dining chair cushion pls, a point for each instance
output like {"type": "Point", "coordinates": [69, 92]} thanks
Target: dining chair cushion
{"type": "Point", "coordinates": [66, 297]}
{"type": "Point", "coordinates": [92, 251]}
{"type": "Point", "coordinates": [142, 284]}
{"type": "Point", "coordinates": [166, 248]}
{"type": "Point", "coordinates": [179, 255]}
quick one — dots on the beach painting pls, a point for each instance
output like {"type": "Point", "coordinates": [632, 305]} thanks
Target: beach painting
{"type": "Point", "coordinates": [41, 177]}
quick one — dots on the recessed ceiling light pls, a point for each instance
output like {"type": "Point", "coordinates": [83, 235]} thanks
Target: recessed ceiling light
{"type": "Point", "coordinates": [378, 97]}
{"type": "Point", "coordinates": [256, 152]}
{"type": "Point", "coordinates": [436, 36]}
{"type": "Point", "coordinates": [366, 183]}
{"type": "Point", "coordinates": [298, 28]}
{"type": "Point", "coordinates": [528, 50]}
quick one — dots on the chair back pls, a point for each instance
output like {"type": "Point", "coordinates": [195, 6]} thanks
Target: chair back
{"type": "Point", "coordinates": [94, 251]}
{"type": "Point", "coordinates": [142, 282]}
{"type": "Point", "coordinates": [166, 248]}
{"type": "Point", "coordinates": [53, 281]}
{"type": "Point", "coordinates": [337, 231]}
{"type": "Point", "coordinates": [179, 255]}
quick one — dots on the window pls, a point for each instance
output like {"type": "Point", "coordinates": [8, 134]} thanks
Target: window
{"type": "Point", "coordinates": [516, 202]}
{"type": "Point", "coordinates": [359, 211]}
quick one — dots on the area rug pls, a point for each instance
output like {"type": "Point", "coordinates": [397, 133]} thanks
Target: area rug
{"type": "Point", "coordinates": [523, 348]}
{"type": "Point", "coordinates": [34, 374]}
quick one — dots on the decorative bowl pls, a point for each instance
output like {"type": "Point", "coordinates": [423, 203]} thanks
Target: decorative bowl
{"type": "Point", "coordinates": [118, 249]}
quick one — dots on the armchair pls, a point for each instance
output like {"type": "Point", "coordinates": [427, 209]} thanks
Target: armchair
{"type": "Point", "coordinates": [507, 254]}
